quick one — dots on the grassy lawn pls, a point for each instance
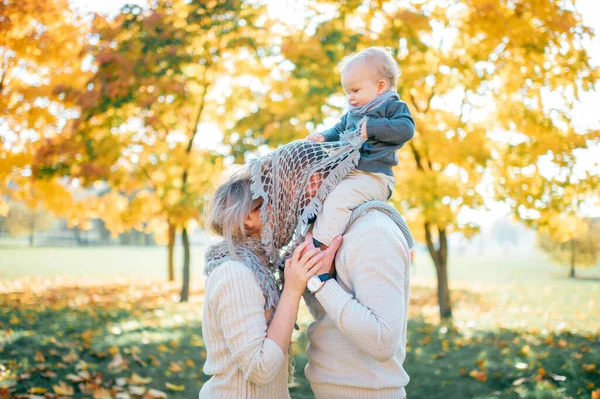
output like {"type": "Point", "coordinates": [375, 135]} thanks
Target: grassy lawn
{"type": "Point", "coordinates": [521, 329]}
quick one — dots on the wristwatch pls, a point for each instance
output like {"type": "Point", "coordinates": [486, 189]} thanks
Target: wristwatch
{"type": "Point", "coordinates": [315, 283]}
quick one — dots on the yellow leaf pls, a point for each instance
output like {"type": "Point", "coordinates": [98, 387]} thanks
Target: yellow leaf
{"type": "Point", "coordinates": [35, 390]}
{"type": "Point", "coordinates": [39, 357]}
{"type": "Point", "coordinates": [162, 348]}
{"type": "Point", "coordinates": [102, 393]}
{"type": "Point", "coordinates": [62, 389]}
{"type": "Point", "coordinates": [589, 368]}
{"type": "Point", "coordinates": [173, 387]}
{"type": "Point", "coordinates": [176, 367]}
{"type": "Point", "coordinates": [137, 380]}
{"type": "Point", "coordinates": [70, 358]}
{"type": "Point", "coordinates": [596, 394]}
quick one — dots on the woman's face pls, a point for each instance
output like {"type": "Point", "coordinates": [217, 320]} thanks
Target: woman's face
{"type": "Point", "coordinates": [252, 222]}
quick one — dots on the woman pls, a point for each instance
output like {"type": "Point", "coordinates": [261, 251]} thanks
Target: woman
{"type": "Point", "coordinates": [261, 214]}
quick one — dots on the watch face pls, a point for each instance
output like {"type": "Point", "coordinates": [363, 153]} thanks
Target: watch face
{"type": "Point", "coordinates": [313, 284]}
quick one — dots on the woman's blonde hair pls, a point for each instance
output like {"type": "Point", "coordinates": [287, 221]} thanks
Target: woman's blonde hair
{"type": "Point", "coordinates": [230, 205]}
{"type": "Point", "coordinates": [380, 61]}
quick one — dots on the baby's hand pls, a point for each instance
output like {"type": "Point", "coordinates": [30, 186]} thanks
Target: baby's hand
{"type": "Point", "coordinates": [316, 137]}
{"type": "Point", "coordinates": [363, 131]}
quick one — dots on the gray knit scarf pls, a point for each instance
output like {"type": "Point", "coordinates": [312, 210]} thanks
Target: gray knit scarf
{"type": "Point", "coordinates": [377, 102]}
{"type": "Point", "coordinates": [252, 254]}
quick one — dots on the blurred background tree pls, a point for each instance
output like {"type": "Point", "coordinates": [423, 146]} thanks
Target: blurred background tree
{"type": "Point", "coordinates": [23, 220]}
{"type": "Point", "coordinates": [571, 241]}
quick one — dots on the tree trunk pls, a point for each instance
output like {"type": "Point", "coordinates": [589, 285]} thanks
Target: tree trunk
{"type": "Point", "coordinates": [31, 232]}
{"type": "Point", "coordinates": [573, 250]}
{"type": "Point", "coordinates": [439, 254]}
{"type": "Point", "coordinates": [171, 248]}
{"type": "Point", "coordinates": [185, 289]}
{"type": "Point", "coordinates": [2, 223]}
{"type": "Point", "coordinates": [77, 234]}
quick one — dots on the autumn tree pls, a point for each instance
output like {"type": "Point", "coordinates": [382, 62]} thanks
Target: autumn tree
{"type": "Point", "coordinates": [473, 74]}
{"type": "Point", "coordinates": [40, 61]}
{"type": "Point", "coordinates": [162, 85]}
{"type": "Point", "coordinates": [571, 241]}
{"type": "Point", "coordinates": [25, 221]}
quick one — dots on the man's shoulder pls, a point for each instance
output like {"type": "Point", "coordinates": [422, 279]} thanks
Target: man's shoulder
{"type": "Point", "coordinates": [374, 227]}
{"type": "Point", "coordinates": [374, 237]}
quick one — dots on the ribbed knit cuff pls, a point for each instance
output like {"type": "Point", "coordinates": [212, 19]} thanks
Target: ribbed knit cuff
{"type": "Point", "coordinates": [274, 356]}
{"type": "Point", "coordinates": [333, 298]}
{"type": "Point", "coordinates": [330, 391]}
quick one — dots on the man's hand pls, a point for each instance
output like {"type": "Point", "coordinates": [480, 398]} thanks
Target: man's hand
{"type": "Point", "coordinates": [327, 262]}
{"type": "Point", "coordinates": [316, 137]}
{"type": "Point", "coordinates": [363, 130]}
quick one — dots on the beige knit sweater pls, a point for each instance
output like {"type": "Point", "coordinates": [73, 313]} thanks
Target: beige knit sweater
{"type": "Point", "coordinates": [243, 362]}
{"type": "Point", "coordinates": [358, 342]}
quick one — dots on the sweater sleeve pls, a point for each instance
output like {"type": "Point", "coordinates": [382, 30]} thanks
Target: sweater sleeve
{"type": "Point", "coordinates": [333, 134]}
{"type": "Point", "coordinates": [372, 318]}
{"type": "Point", "coordinates": [239, 304]}
{"type": "Point", "coordinates": [397, 128]}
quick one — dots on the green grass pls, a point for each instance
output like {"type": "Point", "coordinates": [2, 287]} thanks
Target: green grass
{"type": "Point", "coordinates": [521, 328]}
{"type": "Point", "coordinates": [101, 262]}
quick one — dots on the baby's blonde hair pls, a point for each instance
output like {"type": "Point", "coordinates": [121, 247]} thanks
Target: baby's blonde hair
{"type": "Point", "coordinates": [382, 63]}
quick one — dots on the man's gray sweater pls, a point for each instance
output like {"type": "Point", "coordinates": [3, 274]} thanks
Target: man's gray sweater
{"type": "Point", "coordinates": [389, 127]}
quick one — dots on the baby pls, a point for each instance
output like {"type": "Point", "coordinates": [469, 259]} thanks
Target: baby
{"type": "Point", "coordinates": [369, 78]}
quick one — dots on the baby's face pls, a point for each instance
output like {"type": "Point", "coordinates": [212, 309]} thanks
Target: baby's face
{"type": "Point", "coordinates": [360, 86]}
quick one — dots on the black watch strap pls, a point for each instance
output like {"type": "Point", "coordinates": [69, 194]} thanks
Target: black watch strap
{"type": "Point", "coordinates": [325, 276]}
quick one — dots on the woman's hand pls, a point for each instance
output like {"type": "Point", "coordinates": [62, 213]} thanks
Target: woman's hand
{"type": "Point", "coordinates": [303, 264]}
{"type": "Point", "coordinates": [328, 261]}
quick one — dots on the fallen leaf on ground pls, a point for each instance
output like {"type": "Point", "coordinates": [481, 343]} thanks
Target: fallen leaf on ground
{"type": "Point", "coordinates": [174, 387]}
{"type": "Point", "coordinates": [137, 380]}
{"type": "Point", "coordinates": [63, 389]}
{"type": "Point", "coordinates": [155, 394]}
{"type": "Point", "coordinates": [478, 375]}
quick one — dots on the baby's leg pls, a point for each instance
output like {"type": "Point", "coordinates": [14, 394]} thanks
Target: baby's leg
{"type": "Point", "coordinates": [353, 190]}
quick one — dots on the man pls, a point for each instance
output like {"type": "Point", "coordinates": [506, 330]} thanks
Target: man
{"type": "Point", "coordinates": [357, 343]}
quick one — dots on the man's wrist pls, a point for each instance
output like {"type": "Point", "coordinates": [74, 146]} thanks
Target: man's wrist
{"type": "Point", "coordinates": [316, 282]}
